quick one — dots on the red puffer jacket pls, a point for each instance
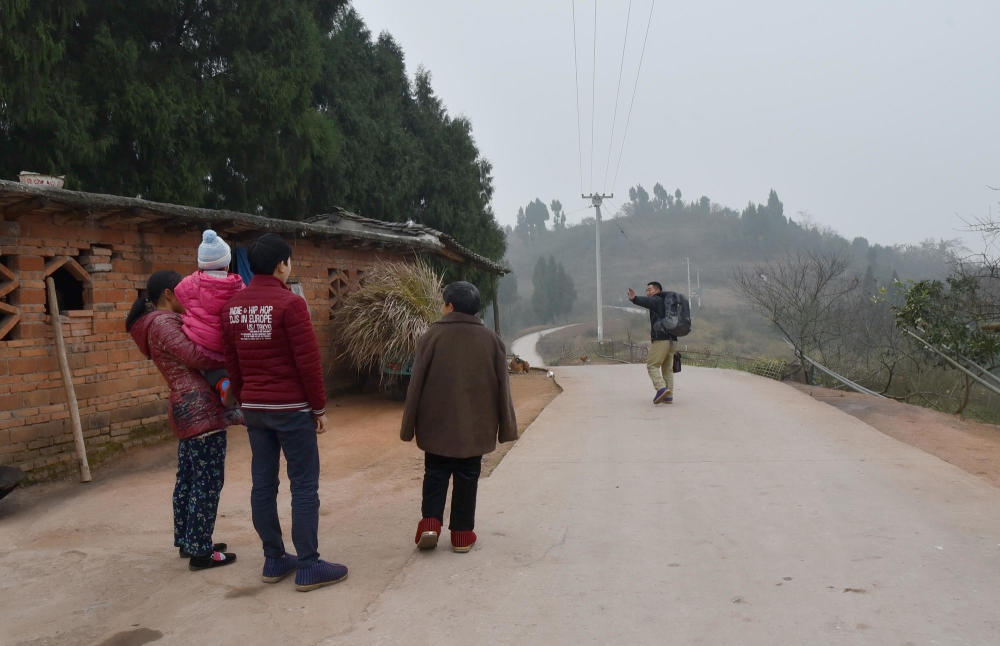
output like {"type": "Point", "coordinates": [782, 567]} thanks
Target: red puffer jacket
{"type": "Point", "coordinates": [271, 351]}
{"type": "Point", "coordinates": [194, 407]}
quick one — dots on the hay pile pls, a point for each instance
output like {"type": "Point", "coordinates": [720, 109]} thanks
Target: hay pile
{"type": "Point", "coordinates": [382, 321]}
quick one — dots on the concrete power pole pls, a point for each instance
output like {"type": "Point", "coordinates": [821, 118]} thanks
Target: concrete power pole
{"type": "Point", "coordinates": [688, 260]}
{"type": "Point", "coordinates": [596, 200]}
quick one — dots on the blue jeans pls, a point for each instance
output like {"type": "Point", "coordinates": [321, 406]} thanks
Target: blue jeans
{"type": "Point", "coordinates": [293, 433]}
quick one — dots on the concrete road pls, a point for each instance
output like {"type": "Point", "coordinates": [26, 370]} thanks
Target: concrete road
{"type": "Point", "coordinates": [744, 513]}
{"type": "Point", "coordinates": [524, 346]}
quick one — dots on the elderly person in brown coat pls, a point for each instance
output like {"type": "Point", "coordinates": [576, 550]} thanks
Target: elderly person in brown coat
{"type": "Point", "coordinates": [458, 404]}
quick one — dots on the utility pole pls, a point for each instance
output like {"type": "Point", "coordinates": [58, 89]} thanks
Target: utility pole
{"type": "Point", "coordinates": [689, 278]}
{"type": "Point", "coordinates": [596, 200]}
{"type": "Point", "coordinates": [698, 275]}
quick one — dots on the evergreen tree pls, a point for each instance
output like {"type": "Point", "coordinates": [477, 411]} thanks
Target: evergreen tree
{"type": "Point", "coordinates": [554, 293]}
{"type": "Point", "coordinates": [541, 298]}
{"type": "Point", "coordinates": [521, 228]}
{"type": "Point", "coordinates": [532, 218]}
{"type": "Point", "coordinates": [661, 199]}
{"type": "Point", "coordinates": [639, 203]}
{"type": "Point", "coordinates": [284, 109]}
{"type": "Point", "coordinates": [704, 205]}
{"type": "Point", "coordinates": [562, 289]}
{"type": "Point", "coordinates": [558, 216]}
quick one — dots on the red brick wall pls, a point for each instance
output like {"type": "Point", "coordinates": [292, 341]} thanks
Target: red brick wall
{"type": "Point", "coordinates": [120, 393]}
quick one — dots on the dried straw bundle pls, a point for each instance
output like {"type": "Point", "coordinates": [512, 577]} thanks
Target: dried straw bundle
{"type": "Point", "coordinates": [381, 321]}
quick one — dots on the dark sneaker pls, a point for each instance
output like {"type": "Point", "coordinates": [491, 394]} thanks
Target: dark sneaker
{"type": "Point", "coordinates": [316, 575]}
{"type": "Point", "coordinates": [218, 547]}
{"type": "Point", "coordinates": [277, 568]}
{"type": "Point", "coordinates": [669, 399]}
{"type": "Point", "coordinates": [462, 540]}
{"type": "Point", "coordinates": [661, 395]}
{"type": "Point", "coordinates": [215, 559]}
{"type": "Point", "coordinates": [428, 531]}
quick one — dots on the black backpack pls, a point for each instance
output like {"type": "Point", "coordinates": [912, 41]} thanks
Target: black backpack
{"type": "Point", "coordinates": [676, 320]}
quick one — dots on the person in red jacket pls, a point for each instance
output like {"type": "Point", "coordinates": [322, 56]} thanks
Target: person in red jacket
{"type": "Point", "coordinates": [196, 416]}
{"type": "Point", "coordinates": [274, 368]}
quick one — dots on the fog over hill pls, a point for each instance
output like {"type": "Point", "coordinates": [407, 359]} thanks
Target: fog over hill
{"type": "Point", "coordinates": [654, 238]}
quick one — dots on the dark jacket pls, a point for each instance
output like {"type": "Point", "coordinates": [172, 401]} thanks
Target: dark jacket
{"type": "Point", "coordinates": [657, 310]}
{"type": "Point", "coordinates": [271, 351]}
{"type": "Point", "coordinates": [194, 407]}
{"type": "Point", "coordinates": [458, 402]}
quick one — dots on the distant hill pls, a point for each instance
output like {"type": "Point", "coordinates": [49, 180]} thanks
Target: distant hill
{"type": "Point", "coordinates": [650, 239]}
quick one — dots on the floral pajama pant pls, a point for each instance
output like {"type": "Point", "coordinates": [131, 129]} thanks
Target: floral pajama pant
{"type": "Point", "coordinates": [201, 464]}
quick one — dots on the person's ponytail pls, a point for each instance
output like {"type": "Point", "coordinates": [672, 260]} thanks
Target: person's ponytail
{"type": "Point", "coordinates": [140, 308]}
{"type": "Point", "coordinates": [155, 286]}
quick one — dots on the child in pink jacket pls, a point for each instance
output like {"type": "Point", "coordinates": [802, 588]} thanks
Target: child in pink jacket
{"type": "Point", "coordinates": [203, 294]}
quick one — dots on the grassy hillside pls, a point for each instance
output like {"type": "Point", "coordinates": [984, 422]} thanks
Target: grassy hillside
{"type": "Point", "coordinates": [637, 248]}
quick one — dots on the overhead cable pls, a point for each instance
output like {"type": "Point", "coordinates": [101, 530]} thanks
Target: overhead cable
{"type": "Point", "coordinates": [614, 118]}
{"type": "Point", "coordinates": [593, 97]}
{"type": "Point", "coordinates": [576, 75]}
{"type": "Point", "coordinates": [635, 87]}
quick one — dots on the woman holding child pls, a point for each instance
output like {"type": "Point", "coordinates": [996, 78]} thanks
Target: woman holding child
{"type": "Point", "coordinates": [197, 417]}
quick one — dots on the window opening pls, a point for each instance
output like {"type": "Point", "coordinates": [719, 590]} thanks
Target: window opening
{"type": "Point", "coordinates": [72, 283]}
{"type": "Point", "coordinates": [10, 314]}
{"type": "Point", "coordinates": [342, 283]}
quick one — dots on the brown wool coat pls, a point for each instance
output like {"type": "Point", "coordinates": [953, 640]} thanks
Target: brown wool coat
{"type": "Point", "coordinates": [458, 403]}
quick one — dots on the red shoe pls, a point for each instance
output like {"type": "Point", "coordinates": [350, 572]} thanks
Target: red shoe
{"type": "Point", "coordinates": [428, 531]}
{"type": "Point", "coordinates": [463, 540]}
{"type": "Point", "coordinates": [222, 390]}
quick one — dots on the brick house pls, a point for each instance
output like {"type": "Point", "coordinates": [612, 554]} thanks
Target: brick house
{"type": "Point", "coordinates": [99, 250]}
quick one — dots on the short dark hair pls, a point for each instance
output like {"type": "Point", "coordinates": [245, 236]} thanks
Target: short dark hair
{"type": "Point", "coordinates": [266, 252]}
{"type": "Point", "coordinates": [463, 296]}
{"type": "Point", "coordinates": [655, 284]}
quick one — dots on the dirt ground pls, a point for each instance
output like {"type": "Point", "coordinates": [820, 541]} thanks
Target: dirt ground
{"type": "Point", "coordinates": [970, 445]}
{"type": "Point", "coordinates": [94, 563]}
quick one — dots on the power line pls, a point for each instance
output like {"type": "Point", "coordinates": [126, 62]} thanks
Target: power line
{"type": "Point", "coordinates": [614, 209]}
{"type": "Point", "coordinates": [614, 118]}
{"type": "Point", "coordinates": [634, 89]}
{"type": "Point", "coordinates": [593, 97]}
{"type": "Point", "coordinates": [576, 75]}
{"type": "Point", "coordinates": [582, 208]}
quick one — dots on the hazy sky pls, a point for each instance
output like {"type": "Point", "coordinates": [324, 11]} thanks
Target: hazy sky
{"type": "Point", "coordinates": [878, 118]}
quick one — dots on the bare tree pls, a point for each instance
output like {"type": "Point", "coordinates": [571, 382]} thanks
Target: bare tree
{"type": "Point", "coordinates": [877, 351]}
{"type": "Point", "coordinates": [804, 295]}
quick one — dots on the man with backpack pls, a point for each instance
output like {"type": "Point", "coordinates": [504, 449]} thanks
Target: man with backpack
{"type": "Point", "coordinates": [669, 318]}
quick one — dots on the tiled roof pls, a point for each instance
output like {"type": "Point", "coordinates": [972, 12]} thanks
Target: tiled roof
{"type": "Point", "coordinates": [339, 225]}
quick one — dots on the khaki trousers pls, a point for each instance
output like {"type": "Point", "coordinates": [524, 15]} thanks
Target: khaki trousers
{"type": "Point", "coordinates": [660, 364]}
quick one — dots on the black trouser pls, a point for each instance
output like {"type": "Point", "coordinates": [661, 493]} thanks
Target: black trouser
{"type": "Point", "coordinates": [437, 470]}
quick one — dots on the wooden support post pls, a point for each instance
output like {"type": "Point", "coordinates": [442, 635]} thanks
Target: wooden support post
{"type": "Point", "coordinates": [74, 410]}
{"type": "Point", "coordinates": [496, 307]}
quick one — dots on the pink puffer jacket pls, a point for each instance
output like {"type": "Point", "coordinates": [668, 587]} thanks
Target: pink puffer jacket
{"type": "Point", "coordinates": [203, 296]}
